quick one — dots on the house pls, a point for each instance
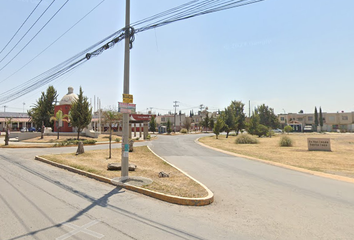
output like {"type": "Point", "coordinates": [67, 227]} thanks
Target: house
{"type": "Point", "coordinates": [332, 122]}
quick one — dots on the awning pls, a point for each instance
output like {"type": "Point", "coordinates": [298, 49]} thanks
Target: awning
{"type": "Point", "coordinates": [15, 119]}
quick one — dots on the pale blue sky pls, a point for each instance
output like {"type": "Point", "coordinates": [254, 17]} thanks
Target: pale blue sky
{"type": "Point", "coordinates": [290, 55]}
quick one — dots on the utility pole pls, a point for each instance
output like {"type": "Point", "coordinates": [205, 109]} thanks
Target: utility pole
{"type": "Point", "coordinates": [125, 142]}
{"type": "Point", "coordinates": [5, 108]}
{"type": "Point", "coordinates": [24, 107]}
{"type": "Point", "coordinates": [174, 123]}
{"type": "Point", "coordinates": [249, 108]}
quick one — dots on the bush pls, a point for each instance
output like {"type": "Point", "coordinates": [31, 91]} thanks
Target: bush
{"type": "Point", "coordinates": [148, 137]}
{"type": "Point", "coordinates": [183, 130]}
{"type": "Point", "coordinates": [285, 141]}
{"type": "Point", "coordinates": [288, 129]}
{"type": "Point", "coordinates": [262, 130]}
{"type": "Point", "coordinates": [117, 140]}
{"type": "Point", "coordinates": [70, 141]}
{"type": "Point", "coordinates": [246, 139]}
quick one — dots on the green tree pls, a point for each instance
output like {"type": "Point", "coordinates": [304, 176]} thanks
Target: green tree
{"type": "Point", "coordinates": [239, 115]}
{"type": "Point", "coordinates": [111, 117]}
{"type": "Point", "coordinates": [267, 116]}
{"type": "Point", "coordinates": [8, 122]}
{"type": "Point", "coordinates": [80, 113]}
{"type": "Point", "coordinates": [316, 117]}
{"type": "Point", "coordinates": [218, 126]}
{"type": "Point", "coordinates": [262, 130]}
{"type": "Point", "coordinates": [288, 129]}
{"type": "Point", "coordinates": [205, 122]}
{"type": "Point", "coordinates": [229, 120]}
{"type": "Point", "coordinates": [321, 118]}
{"type": "Point", "coordinates": [211, 123]}
{"type": "Point", "coordinates": [59, 118]}
{"type": "Point", "coordinates": [169, 130]}
{"type": "Point", "coordinates": [188, 123]}
{"type": "Point", "coordinates": [152, 124]}
{"type": "Point", "coordinates": [43, 109]}
{"type": "Point", "coordinates": [253, 124]}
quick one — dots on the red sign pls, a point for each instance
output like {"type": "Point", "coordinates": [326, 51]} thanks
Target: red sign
{"type": "Point", "coordinates": [141, 117]}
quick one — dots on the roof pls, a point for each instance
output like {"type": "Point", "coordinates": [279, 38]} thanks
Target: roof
{"type": "Point", "coordinates": [13, 115]}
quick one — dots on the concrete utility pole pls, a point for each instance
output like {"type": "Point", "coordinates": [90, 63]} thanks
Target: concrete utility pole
{"type": "Point", "coordinates": [125, 142]}
{"type": "Point", "coordinates": [174, 121]}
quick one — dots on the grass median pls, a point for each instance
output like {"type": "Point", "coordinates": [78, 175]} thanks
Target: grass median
{"type": "Point", "coordinates": [339, 161]}
{"type": "Point", "coordinates": [148, 165]}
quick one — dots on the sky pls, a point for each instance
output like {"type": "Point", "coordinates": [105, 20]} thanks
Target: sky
{"type": "Point", "coordinates": [290, 55]}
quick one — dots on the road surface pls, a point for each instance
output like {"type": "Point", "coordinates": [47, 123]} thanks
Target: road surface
{"type": "Point", "coordinates": [252, 201]}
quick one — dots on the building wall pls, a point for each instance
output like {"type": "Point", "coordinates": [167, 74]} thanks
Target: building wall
{"type": "Point", "coordinates": [66, 126]}
{"type": "Point", "coordinates": [343, 121]}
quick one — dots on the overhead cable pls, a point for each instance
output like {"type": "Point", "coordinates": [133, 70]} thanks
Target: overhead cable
{"type": "Point", "coordinates": [53, 42]}
{"type": "Point", "coordinates": [193, 9]}
{"type": "Point", "coordinates": [21, 26]}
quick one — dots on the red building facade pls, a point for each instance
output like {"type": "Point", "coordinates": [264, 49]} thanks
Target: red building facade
{"type": "Point", "coordinates": [65, 106]}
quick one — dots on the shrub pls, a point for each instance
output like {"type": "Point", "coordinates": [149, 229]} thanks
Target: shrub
{"type": "Point", "coordinates": [262, 130]}
{"type": "Point", "coordinates": [117, 140]}
{"type": "Point", "coordinates": [285, 141]}
{"type": "Point", "coordinates": [288, 129]}
{"type": "Point", "coordinates": [246, 139]}
{"type": "Point", "coordinates": [70, 141]}
{"type": "Point", "coordinates": [148, 137]}
{"type": "Point", "coordinates": [183, 130]}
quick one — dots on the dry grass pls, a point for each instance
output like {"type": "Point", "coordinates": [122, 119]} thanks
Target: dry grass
{"type": "Point", "coordinates": [339, 161]}
{"type": "Point", "coordinates": [148, 165]}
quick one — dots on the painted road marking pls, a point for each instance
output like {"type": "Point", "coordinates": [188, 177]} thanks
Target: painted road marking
{"type": "Point", "coordinates": [78, 229]}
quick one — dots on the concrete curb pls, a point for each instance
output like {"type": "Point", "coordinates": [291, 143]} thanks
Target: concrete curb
{"type": "Point", "coordinates": [161, 196]}
{"type": "Point", "coordinates": [75, 170]}
{"type": "Point", "coordinates": [320, 174]}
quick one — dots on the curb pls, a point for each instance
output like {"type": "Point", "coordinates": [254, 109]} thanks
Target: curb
{"type": "Point", "coordinates": [161, 196]}
{"type": "Point", "coordinates": [320, 174]}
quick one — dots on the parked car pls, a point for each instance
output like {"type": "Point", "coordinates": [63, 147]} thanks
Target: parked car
{"type": "Point", "coordinates": [24, 129]}
{"type": "Point", "coordinates": [32, 129]}
{"type": "Point", "coordinates": [308, 128]}
{"type": "Point", "coordinates": [277, 130]}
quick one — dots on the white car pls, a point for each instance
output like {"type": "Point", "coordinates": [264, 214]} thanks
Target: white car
{"type": "Point", "coordinates": [277, 130]}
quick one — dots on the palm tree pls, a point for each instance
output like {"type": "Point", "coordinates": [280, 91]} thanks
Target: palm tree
{"type": "Point", "coordinates": [111, 117]}
{"type": "Point", "coordinates": [59, 118]}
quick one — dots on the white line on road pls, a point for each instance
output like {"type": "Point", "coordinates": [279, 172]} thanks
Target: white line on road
{"type": "Point", "coordinates": [78, 229]}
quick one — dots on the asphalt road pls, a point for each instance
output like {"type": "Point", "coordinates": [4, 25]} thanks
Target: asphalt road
{"type": "Point", "coordinates": [252, 201]}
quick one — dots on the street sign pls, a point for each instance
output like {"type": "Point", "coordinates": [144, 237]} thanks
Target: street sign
{"type": "Point", "coordinates": [126, 107]}
{"type": "Point", "coordinates": [127, 98]}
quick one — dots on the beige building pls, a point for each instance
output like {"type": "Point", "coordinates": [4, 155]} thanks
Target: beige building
{"type": "Point", "coordinates": [180, 120]}
{"type": "Point", "coordinates": [332, 122]}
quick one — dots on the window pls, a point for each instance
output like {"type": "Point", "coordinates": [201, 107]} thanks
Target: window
{"type": "Point", "coordinates": [162, 119]}
{"type": "Point", "coordinates": [331, 118]}
{"type": "Point", "coordinates": [300, 119]}
{"type": "Point", "coordinates": [310, 119]}
{"type": "Point", "coordinates": [282, 119]}
{"type": "Point", "coordinates": [345, 118]}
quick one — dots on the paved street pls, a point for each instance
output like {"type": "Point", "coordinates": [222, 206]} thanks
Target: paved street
{"type": "Point", "coordinates": [252, 200]}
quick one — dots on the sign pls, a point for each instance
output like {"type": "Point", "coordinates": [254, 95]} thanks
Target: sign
{"type": "Point", "coordinates": [126, 107]}
{"type": "Point", "coordinates": [127, 98]}
{"type": "Point", "coordinates": [319, 144]}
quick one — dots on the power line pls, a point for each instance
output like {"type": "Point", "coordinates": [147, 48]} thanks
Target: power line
{"type": "Point", "coordinates": [203, 7]}
{"type": "Point", "coordinates": [34, 35]}
{"type": "Point", "coordinates": [28, 31]}
{"type": "Point", "coordinates": [54, 41]}
{"type": "Point", "coordinates": [21, 26]}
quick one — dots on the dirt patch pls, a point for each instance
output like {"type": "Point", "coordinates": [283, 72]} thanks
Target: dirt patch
{"type": "Point", "coordinates": [148, 164]}
{"type": "Point", "coordinates": [340, 161]}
